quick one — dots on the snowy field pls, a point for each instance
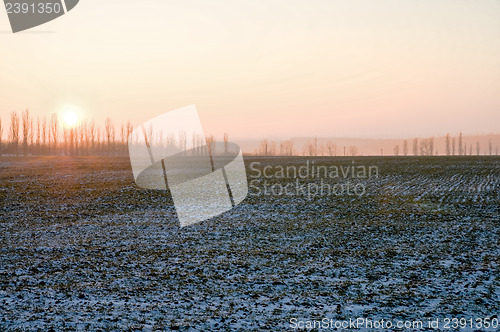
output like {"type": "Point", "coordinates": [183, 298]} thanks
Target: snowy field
{"type": "Point", "coordinates": [82, 248]}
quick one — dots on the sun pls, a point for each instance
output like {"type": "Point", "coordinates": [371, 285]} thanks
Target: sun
{"type": "Point", "coordinates": [70, 118]}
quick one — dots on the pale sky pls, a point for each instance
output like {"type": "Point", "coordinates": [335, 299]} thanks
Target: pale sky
{"type": "Point", "coordinates": [273, 68]}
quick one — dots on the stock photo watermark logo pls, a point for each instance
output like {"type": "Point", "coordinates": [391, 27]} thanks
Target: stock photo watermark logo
{"type": "Point", "coordinates": [27, 14]}
{"type": "Point", "coordinates": [171, 152]}
{"type": "Point", "coordinates": [310, 180]}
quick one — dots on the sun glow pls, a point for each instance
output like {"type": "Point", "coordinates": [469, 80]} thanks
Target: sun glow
{"type": "Point", "coordinates": [70, 118]}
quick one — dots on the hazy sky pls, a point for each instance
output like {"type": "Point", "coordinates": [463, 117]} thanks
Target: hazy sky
{"type": "Point", "coordinates": [274, 68]}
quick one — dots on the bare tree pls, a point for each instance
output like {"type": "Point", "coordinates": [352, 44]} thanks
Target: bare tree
{"type": "Point", "coordinates": [405, 148]}
{"type": "Point", "coordinates": [320, 150]}
{"type": "Point", "coordinates": [264, 147]}
{"type": "Point", "coordinates": [396, 150]}
{"type": "Point", "coordinates": [309, 149]}
{"type": "Point", "coordinates": [448, 145]}
{"type": "Point", "coordinates": [92, 135]}
{"type": "Point", "coordinates": [31, 134]}
{"type": "Point", "coordinates": [353, 150]}
{"type": "Point", "coordinates": [226, 143]}
{"type": "Point", "coordinates": [44, 132]}
{"type": "Point", "coordinates": [478, 150]}
{"type": "Point", "coordinates": [331, 148]}
{"type": "Point", "coordinates": [415, 146]}
{"type": "Point", "coordinates": [453, 146]}
{"type": "Point", "coordinates": [82, 136]}
{"type": "Point", "coordinates": [26, 130]}
{"type": "Point", "coordinates": [130, 129]}
{"type": "Point", "coordinates": [211, 144]}
{"type": "Point", "coordinates": [283, 148]}
{"type": "Point", "coordinates": [65, 140]}
{"type": "Point", "coordinates": [1, 133]}
{"type": "Point", "coordinates": [286, 148]}
{"type": "Point", "coordinates": [183, 140]}
{"type": "Point", "coordinates": [490, 146]}
{"type": "Point", "coordinates": [38, 134]}
{"type": "Point", "coordinates": [272, 148]}
{"type": "Point", "coordinates": [426, 146]}
{"type": "Point", "coordinates": [109, 130]}
{"type": "Point", "coordinates": [14, 131]}
{"type": "Point", "coordinates": [460, 145]}
{"type": "Point", "coordinates": [54, 130]}
{"type": "Point", "coordinates": [125, 132]}
{"type": "Point", "coordinates": [98, 136]}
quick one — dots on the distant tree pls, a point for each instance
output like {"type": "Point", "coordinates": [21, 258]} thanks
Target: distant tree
{"type": "Point", "coordinates": [72, 140]}
{"type": "Point", "coordinates": [460, 145]}
{"type": "Point", "coordinates": [490, 147]}
{"type": "Point", "coordinates": [123, 134]}
{"type": "Point", "coordinates": [226, 142]}
{"type": "Point", "coordinates": [200, 143]}
{"type": "Point", "coordinates": [14, 131]}
{"type": "Point", "coordinates": [405, 148]}
{"type": "Point", "coordinates": [130, 129]}
{"type": "Point", "coordinates": [31, 134]}
{"type": "Point", "coordinates": [26, 130]}
{"type": "Point", "coordinates": [415, 146]}
{"type": "Point", "coordinates": [448, 145]}
{"type": "Point", "coordinates": [44, 133]}
{"type": "Point", "coordinates": [1, 133]}
{"type": "Point", "coordinates": [309, 149]}
{"type": "Point", "coordinates": [321, 149]}
{"type": "Point", "coordinates": [109, 131]}
{"type": "Point", "coordinates": [431, 146]}
{"type": "Point", "coordinates": [54, 130]}
{"type": "Point", "coordinates": [38, 134]}
{"type": "Point", "coordinates": [353, 150]}
{"type": "Point", "coordinates": [65, 140]}
{"type": "Point", "coordinates": [82, 137]}
{"type": "Point", "coordinates": [453, 146]}
{"type": "Point", "coordinates": [423, 147]}
{"type": "Point", "coordinates": [426, 146]}
{"type": "Point", "coordinates": [331, 148]}
{"type": "Point", "coordinates": [286, 147]}
{"type": "Point", "coordinates": [478, 149]}
{"type": "Point", "coordinates": [264, 147]}
{"type": "Point", "coordinates": [272, 149]}
{"type": "Point", "coordinates": [92, 135]}
{"type": "Point", "coordinates": [98, 141]}
{"type": "Point", "coordinates": [183, 140]}
{"type": "Point", "coordinates": [290, 147]}
{"type": "Point", "coordinates": [282, 148]}
{"type": "Point", "coordinates": [396, 150]}
{"type": "Point", "coordinates": [211, 144]}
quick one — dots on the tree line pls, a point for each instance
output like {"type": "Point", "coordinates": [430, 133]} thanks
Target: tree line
{"type": "Point", "coordinates": [454, 146]}
{"type": "Point", "coordinates": [47, 136]}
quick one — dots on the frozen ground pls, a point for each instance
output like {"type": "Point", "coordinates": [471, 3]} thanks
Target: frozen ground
{"type": "Point", "coordinates": [82, 248]}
